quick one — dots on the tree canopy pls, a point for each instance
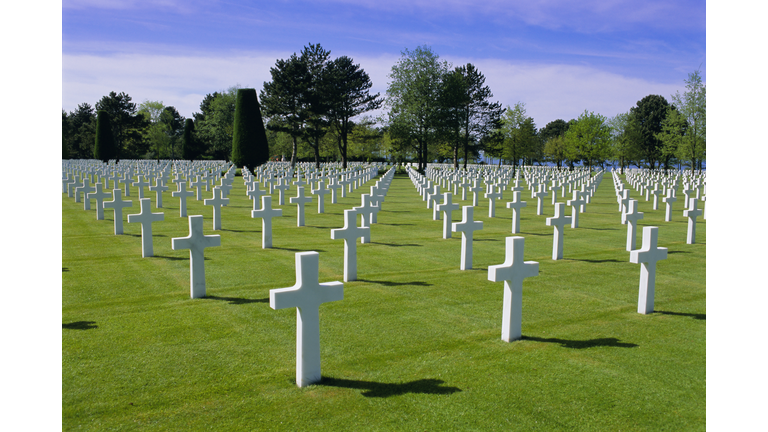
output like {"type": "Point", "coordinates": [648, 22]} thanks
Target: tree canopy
{"type": "Point", "coordinates": [316, 107]}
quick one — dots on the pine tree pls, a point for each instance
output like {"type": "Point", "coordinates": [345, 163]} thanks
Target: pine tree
{"type": "Point", "coordinates": [104, 148]}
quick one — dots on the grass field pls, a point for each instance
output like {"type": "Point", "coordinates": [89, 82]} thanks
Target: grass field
{"type": "Point", "coordinates": [414, 345]}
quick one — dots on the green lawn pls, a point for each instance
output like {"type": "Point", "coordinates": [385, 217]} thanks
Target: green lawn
{"type": "Point", "coordinates": [416, 342]}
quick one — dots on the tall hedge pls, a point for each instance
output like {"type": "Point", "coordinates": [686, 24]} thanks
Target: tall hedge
{"type": "Point", "coordinates": [249, 139]}
{"type": "Point", "coordinates": [104, 148]}
{"type": "Point", "coordinates": [188, 144]}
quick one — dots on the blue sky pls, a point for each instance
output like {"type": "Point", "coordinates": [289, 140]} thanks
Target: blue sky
{"type": "Point", "coordinates": [558, 57]}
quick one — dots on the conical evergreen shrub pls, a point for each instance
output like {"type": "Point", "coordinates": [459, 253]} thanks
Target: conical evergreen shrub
{"type": "Point", "coordinates": [188, 145]}
{"type": "Point", "coordinates": [249, 139]}
{"type": "Point", "coordinates": [104, 148]}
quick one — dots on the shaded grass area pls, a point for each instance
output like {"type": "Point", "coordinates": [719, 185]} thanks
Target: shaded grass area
{"type": "Point", "coordinates": [414, 345]}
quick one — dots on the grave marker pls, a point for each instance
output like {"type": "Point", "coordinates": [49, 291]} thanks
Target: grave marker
{"type": "Point", "coordinates": [266, 213]}
{"type": "Point", "coordinates": [217, 202]}
{"type": "Point", "coordinates": [692, 213]}
{"type": "Point", "coordinates": [300, 199]}
{"type": "Point", "coordinates": [512, 272]}
{"type": "Point", "coordinates": [447, 207]}
{"type": "Point", "coordinates": [99, 195]}
{"type": "Point", "coordinates": [196, 242]}
{"type": "Point", "coordinates": [648, 255]}
{"type": "Point", "coordinates": [145, 217]}
{"type": "Point", "coordinates": [117, 204]}
{"type": "Point", "coordinates": [467, 227]}
{"type": "Point", "coordinates": [558, 221]}
{"type": "Point", "coordinates": [516, 205]}
{"type": "Point", "coordinates": [630, 218]}
{"type": "Point", "coordinates": [307, 296]}
{"type": "Point", "coordinates": [182, 194]}
{"type": "Point", "coordinates": [350, 233]}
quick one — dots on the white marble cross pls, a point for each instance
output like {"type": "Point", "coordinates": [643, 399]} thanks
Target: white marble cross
{"type": "Point", "coordinates": [467, 227]}
{"type": "Point", "coordinates": [350, 233]}
{"type": "Point", "coordinates": [99, 195]}
{"type": "Point", "coordinates": [196, 242]}
{"type": "Point", "coordinates": [182, 194]}
{"type": "Point", "coordinates": [145, 217]}
{"type": "Point", "coordinates": [669, 200]}
{"type": "Point", "coordinates": [512, 272]}
{"type": "Point", "coordinates": [475, 189]}
{"type": "Point", "coordinates": [575, 203]}
{"type": "Point", "coordinates": [692, 213]}
{"type": "Point", "coordinates": [334, 186]}
{"type": "Point", "coordinates": [540, 195]}
{"type": "Point", "coordinates": [307, 296]}
{"type": "Point", "coordinates": [648, 255]}
{"type": "Point", "coordinates": [516, 205]}
{"type": "Point", "coordinates": [447, 207]}
{"type": "Point", "coordinates": [492, 197]}
{"type": "Point", "coordinates": [266, 213]}
{"type": "Point", "coordinates": [117, 204]}
{"type": "Point", "coordinates": [630, 218]}
{"type": "Point", "coordinates": [558, 221]}
{"type": "Point", "coordinates": [217, 202]}
{"type": "Point", "coordinates": [255, 193]}
{"type": "Point", "coordinates": [554, 189]}
{"type": "Point", "coordinates": [300, 199]}
{"type": "Point", "coordinates": [86, 188]}
{"type": "Point", "coordinates": [655, 192]}
{"type": "Point", "coordinates": [126, 181]}
{"type": "Point", "coordinates": [198, 186]}
{"type": "Point", "coordinates": [321, 192]}
{"type": "Point", "coordinates": [158, 189]}
{"type": "Point", "coordinates": [624, 204]}
{"type": "Point", "coordinates": [282, 186]}
{"type": "Point", "coordinates": [365, 210]}
{"type": "Point", "coordinates": [140, 184]}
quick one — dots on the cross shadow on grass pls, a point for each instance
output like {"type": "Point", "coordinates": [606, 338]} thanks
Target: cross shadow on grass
{"type": "Point", "coordinates": [64, 269]}
{"type": "Point", "coordinates": [186, 258]}
{"type": "Point", "coordinates": [600, 229]}
{"type": "Point", "coordinates": [379, 223]}
{"type": "Point", "coordinates": [692, 315]}
{"type": "Point", "coordinates": [240, 231]}
{"type": "Point", "coordinates": [594, 261]}
{"type": "Point", "coordinates": [581, 344]}
{"type": "Point", "coordinates": [237, 300]}
{"type": "Point", "coordinates": [80, 325]}
{"type": "Point", "coordinates": [397, 245]}
{"type": "Point", "coordinates": [389, 283]}
{"type": "Point", "coordinates": [676, 252]}
{"type": "Point", "coordinates": [297, 250]}
{"type": "Point", "coordinates": [376, 389]}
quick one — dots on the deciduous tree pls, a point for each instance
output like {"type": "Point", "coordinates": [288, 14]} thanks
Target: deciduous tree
{"type": "Point", "coordinates": [650, 113]}
{"type": "Point", "coordinates": [692, 105]}
{"type": "Point", "coordinates": [588, 139]}
{"type": "Point", "coordinates": [412, 96]}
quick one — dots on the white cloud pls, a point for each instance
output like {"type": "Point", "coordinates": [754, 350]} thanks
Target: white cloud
{"type": "Point", "coordinates": [181, 81]}
{"type": "Point", "coordinates": [550, 91]}
{"type": "Point", "coordinates": [553, 91]}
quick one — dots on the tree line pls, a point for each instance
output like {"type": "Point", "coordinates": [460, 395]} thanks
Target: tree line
{"type": "Point", "coordinates": [317, 108]}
